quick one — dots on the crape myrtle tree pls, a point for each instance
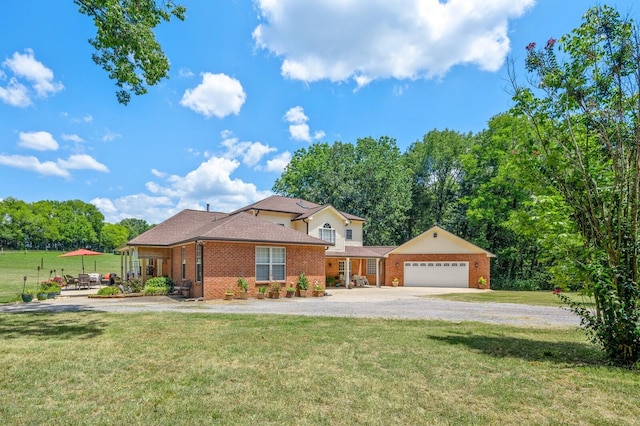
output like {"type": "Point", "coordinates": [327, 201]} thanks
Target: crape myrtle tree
{"type": "Point", "coordinates": [125, 44]}
{"type": "Point", "coordinates": [582, 100]}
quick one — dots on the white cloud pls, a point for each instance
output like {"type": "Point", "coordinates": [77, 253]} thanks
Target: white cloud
{"type": "Point", "coordinates": [378, 39]}
{"type": "Point", "coordinates": [30, 163]}
{"type": "Point", "coordinates": [278, 163]}
{"type": "Point", "coordinates": [26, 66]}
{"type": "Point", "coordinates": [299, 129]}
{"type": "Point", "coordinates": [110, 136]}
{"type": "Point", "coordinates": [211, 182]}
{"type": "Point", "coordinates": [218, 95]}
{"type": "Point", "coordinates": [15, 94]}
{"type": "Point", "coordinates": [251, 152]}
{"type": "Point", "coordinates": [82, 162]}
{"type": "Point", "coordinates": [185, 73]}
{"type": "Point", "coordinates": [71, 137]}
{"type": "Point", "coordinates": [39, 141]}
{"type": "Point", "coordinates": [141, 206]}
{"type": "Point", "coordinates": [158, 173]}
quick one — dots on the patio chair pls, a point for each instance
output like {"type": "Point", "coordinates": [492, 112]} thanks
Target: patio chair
{"type": "Point", "coordinates": [70, 281]}
{"type": "Point", "coordinates": [83, 281]}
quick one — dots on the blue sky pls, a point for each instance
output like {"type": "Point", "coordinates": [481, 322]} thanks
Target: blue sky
{"type": "Point", "coordinates": [250, 83]}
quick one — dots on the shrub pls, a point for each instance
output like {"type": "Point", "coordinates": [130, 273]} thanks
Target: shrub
{"type": "Point", "coordinates": [303, 282]}
{"type": "Point", "coordinates": [158, 285]}
{"type": "Point", "coordinates": [135, 284]}
{"type": "Point", "coordinates": [108, 291]}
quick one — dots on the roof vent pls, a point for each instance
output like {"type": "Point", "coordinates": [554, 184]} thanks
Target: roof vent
{"type": "Point", "coordinates": [301, 204]}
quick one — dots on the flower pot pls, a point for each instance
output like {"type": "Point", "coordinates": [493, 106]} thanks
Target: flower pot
{"type": "Point", "coordinates": [244, 295]}
{"type": "Point", "coordinates": [274, 295]}
{"type": "Point", "coordinates": [290, 294]}
{"type": "Point", "coordinates": [41, 296]}
{"type": "Point", "coordinates": [51, 295]}
{"type": "Point", "coordinates": [26, 298]}
{"type": "Point", "coordinates": [318, 293]}
{"type": "Point", "coordinates": [260, 295]}
{"type": "Point", "coordinates": [228, 296]}
{"type": "Point", "coordinates": [301, 293]}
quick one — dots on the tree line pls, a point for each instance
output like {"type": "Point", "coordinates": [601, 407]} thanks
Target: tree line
{"type": "Point", "coordinates": [62, 225]}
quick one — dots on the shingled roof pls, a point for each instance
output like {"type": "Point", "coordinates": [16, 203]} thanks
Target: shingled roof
{"type": "Point", "coordinates": [296, 206]}
{"type": "Point", "coordinates": [191, 225]}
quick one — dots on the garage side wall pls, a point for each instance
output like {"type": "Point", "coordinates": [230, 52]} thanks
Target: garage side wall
{"type": "Point", "coordinates": [394, 265]}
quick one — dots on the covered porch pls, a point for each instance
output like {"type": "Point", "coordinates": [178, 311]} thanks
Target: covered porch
{"type": "Point", "coordinates": [144, 262]}
{"type": "Point", "coordinates": [355, 266]}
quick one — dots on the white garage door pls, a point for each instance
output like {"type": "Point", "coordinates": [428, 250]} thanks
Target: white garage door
{"type": "Point", "coordinates": [436, 274]}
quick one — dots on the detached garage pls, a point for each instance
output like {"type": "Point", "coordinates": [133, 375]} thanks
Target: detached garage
{"type": "Point", "coordinates": [438, 258]}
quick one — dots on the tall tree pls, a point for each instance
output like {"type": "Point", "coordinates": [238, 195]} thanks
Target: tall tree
{"type": "Point", "coordinates": [368, 179]}
{"type": "Point", "coordinates": [134, 226]}
{"type": "Point", "coordinates": [113, 236]}
{"type": "Point", "coordinates": [585, 109]}
{"type": "Point", "coordinates": [125, 44]}
{"type": "Point", "coordinates": [437, 175]}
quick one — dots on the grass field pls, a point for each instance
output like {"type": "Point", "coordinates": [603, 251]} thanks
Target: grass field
{"type": "Point", "coordinates": [15, 265]}
{"type": "Point", "coordinates": [539, 298]}
{"type": "Point", "coordinates": [172, 369]}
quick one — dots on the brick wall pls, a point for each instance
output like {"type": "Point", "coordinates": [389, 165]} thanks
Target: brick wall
{"type": "Point", "coordinates": [224, 262]}
{"type": "Point", "coordinates": [394, 265]}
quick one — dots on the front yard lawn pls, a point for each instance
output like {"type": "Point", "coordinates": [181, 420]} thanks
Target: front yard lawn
{"type": "Point", "coordinates": [186, 368]}
{"type": "Point", "coordinates": [540, 298]}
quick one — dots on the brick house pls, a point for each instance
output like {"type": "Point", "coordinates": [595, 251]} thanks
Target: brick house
{"type": "Point", "coordinates": [277, 238]}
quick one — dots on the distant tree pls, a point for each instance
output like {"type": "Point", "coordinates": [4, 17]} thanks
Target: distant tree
{"type": "Point", "coordinates": [113, 236]}
{"type": "Point", "coordinates": [135, 226]}
{"type": "Point", "coordinates": [125, 44]}
{"type": "Point", "coordinates": [583, 106]}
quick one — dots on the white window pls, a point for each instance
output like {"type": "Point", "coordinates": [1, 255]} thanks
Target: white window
{"type": "Point", "coordinates": [198, 262]}
{"type": "Point", "coordinates": [371, 266]}
{"type": "Point", "coordinates": [349, 234]}
{"type": "Point", "coordinates": [327, 233]}
{"type": "Point", "coordinates": [270, 263]}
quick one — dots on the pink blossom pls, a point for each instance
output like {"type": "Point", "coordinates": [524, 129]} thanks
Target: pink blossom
{"type": "Point", "coordinates": [531, 46]}
{"type": "Point", "coordinates": [550, 43]}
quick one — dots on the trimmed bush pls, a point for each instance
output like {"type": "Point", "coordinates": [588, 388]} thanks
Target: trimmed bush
{"type": "Point", "coordinates": [108, 291]}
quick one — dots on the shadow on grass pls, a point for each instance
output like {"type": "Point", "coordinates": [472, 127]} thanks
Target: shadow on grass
{"type": "Point", "coordinates": [573, 353]}
{"type": "Point", "coordinates": [49, 324]}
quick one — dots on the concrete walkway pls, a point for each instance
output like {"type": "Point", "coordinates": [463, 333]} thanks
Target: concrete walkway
{"type": "Point", "coordinates": [369, 302]}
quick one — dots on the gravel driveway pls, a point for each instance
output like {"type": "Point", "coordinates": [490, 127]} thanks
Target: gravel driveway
{"type": "Point", "coordinates": [385, 302]}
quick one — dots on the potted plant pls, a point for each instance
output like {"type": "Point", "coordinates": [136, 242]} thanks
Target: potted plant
{"type": "Point", "coordinates": [482, 283]}
{"type": "Point", "coordinates": [27, 295]}
{"type": "Point", "coordinates": [244, 288]}
{"type": "Point", "coordinates": [303, 285]}
{"type": "Point", "coordinates": [228, 295]}
{"type": "Point", "coordinates": [395, 281]}
{"type": "Point", "coordinates": [262, 291]}
{"type": "Point", "coordinates": [274, 291]}
{"type": "Point", "coordinates": [290, 291]}
{"type": "Point", "coordinates": [318, 291]}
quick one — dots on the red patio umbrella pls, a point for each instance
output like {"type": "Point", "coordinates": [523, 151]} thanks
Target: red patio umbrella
{"type": "Point", "coordinates": [82, 253]}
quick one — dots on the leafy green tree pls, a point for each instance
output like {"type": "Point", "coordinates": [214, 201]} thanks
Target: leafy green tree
{"type": "Point", "coordinates": [125, 44]}
{"type": "Point", "coordinates": [113, 236]}
{"type": "Point", "coordinates": [584, 108]}
{"type": "Point", "coordinates": [134, 226]}
{"type": "Point", "coordinates": [437, 175]}
{"type": "Point", "coordinates": [368, 179]}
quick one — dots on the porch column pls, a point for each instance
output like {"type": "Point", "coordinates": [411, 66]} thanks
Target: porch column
{"type": "Point", "coordinates": [347, 273]}
{"type": "Point", "coordinates": [378, 273]}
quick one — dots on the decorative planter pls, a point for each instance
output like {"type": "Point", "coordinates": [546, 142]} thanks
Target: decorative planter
{"type": "Point", "coordinates": [42, 296]}
{"type": "Point", "coordinates": [318, 293]}
{"type": "Point", "coordinates": [228, 296]}
{"type": "Point", "coordinates": [301, 293]}
{"type": "Point", "coordinates": [244, 295]}
{"type": "Point", "coordinates": [395, 283]}
{"type": "Point", "coordinates": [26, 298]}
{"type": "Point", "coordinates": [52, 295]}
{"type": "Point", "coordinates": [260, 295]}
{"type": "Point", "coordinates": [290, 294]}
{"type": "Point", "coordinates": [274, 294]}
{"type": "Point", "coordinates": [483, 286]}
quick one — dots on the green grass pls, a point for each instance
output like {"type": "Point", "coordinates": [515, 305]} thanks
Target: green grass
{"type": "Point", "coordinates": [171, 369]}
{"type": "Point", "coordinates": [15, 265]}
{"type": "Point", "coordinates": [539, 298]}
